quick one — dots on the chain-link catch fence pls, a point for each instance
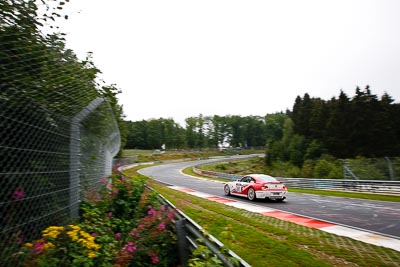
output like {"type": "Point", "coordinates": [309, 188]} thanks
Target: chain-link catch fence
{"type": "Point", "coordinates": [58, 134]}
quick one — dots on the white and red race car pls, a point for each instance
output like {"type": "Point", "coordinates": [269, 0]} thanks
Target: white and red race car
{"type": "Point", "coordinates": [254, 186]}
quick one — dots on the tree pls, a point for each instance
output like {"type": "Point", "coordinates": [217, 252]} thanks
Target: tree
{"type": "Point", "coordinates": [218, 133]}
{"type": "Point", "coordinates": [384, 133]}
{"type": "Point", "coordinates": [173, 136]}
{"type": "Point", "coordinates": [201, 139]}
{"type": "Point", "coordinates": [236, 128]}
{"type": "Point", "coordinates": [301, 115]}
{"type": "Point", "coordinates": [363, 107]}
{"type": "Point", "coordinates": [339, 126]}
{"type": "Point", "coordinates": [317, 120]}
{"type": "Point", "coordinates": [314, 150]}
{"type": "Point", "coordinates": [191, 132]}
{"type": "Point", "coordinates": [296, 150]}
{"type": "Point", "coordinates": [254, 135]}
{"type": "Point", "coordinates": [280, 150]}
{"type": "Point", "coordinates": [137, 135]}
{"type": "Point", "coordinates": [274, 127]}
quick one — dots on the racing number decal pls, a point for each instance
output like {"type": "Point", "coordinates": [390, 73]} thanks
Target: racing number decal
{"type": "Point", "coordinates": [238, 187]}
{"type": "Point", "coordinates": [241, 187]}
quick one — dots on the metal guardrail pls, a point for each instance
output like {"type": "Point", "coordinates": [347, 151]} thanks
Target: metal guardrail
{"type": "Point", "coordinates": [367, 186]}
{"type": "Point", "coordinates": [190, 235]}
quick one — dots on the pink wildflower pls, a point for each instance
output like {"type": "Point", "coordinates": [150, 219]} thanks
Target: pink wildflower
{"type": "Point", "coordinates": [134, 233]}
{"type": "Point", "coordinates": [115, 191]}
{"type": "Point", "coordinates": [171, 215]}
{"type": "Point", "coordinates": [154, 257]}
{"type": "Point", "coordinates": [94, 234]}
{"type": "Point", "coordinates": [109, 214]}
{"type": "Point", "coordinates": [161, 226]}
{"type": "Point", "coordinates": [151, 212]}
{"type": "Point", "coordinates": [103, 181]}
{"type": "Point", "coordinates": [39, 246]}
{"type": "Point", "coordinates": [18, 194]}
{"type": "Point", "coordinates": [117, 236]}
{"type": "Point", "coordinates": [97, 198]}
{"type": "Point", "coordinates": [130, 247]}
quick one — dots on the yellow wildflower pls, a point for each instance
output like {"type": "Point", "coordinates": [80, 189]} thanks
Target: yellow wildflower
{"type": "Point", "coordinates": [86, 235]}
{"type": "Point", "coordinates": [28, 245]}
{"type": "Point", "coordinates": [91, 254]}
{"type": "Point", "coordinates": [48, 245]}
{"type": "Point", "coordinates": [94, 246]}
{"type": "Point", "coordinates": [74, 227]}
{"type": "Point", "coordinates": [52, 234]}
{"type": "Point", "coordinates": [54, 228]}
{"type": "Point", "coordinates": [53, 231]}
{"type": "Point", "coordinates": [73, 235]}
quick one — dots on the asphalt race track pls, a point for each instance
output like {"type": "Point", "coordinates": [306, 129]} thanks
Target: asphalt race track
{"type": "Point", "coordinates": [378, 217]}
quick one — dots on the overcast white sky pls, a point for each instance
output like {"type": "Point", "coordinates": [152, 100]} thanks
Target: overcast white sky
{"type": "Point", "coordinates": [177, 59]}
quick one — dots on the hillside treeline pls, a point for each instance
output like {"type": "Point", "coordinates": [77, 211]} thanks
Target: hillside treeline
{"type": "Point", "coordinates": [344, 127]}
{"type": "Point", "coordinates": [363, 125]}
{"type": "Point", "coordinates": [200, 132]}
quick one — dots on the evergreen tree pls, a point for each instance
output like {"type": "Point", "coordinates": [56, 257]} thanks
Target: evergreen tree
{"type": "Point", "coordinates": [317, 120]}
{"type": "Point", "coordinates": [363, 124]}
{"type": "Point", "coordinates": [301, 115]}
{"type": "Point", "coordinates": [338, 127]}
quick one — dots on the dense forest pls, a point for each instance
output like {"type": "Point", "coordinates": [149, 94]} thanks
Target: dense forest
{"type": "Point", "coordinates": [347, 127]}
{"type": "Point", "coordinates": [200, 132]}
{"type": "Point", "coordinates": [344, 127]}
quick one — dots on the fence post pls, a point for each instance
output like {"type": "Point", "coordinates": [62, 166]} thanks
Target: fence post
{"type": "Point", "coordinates": [75, 153]}
{"type": "Point", "coordinates": [390, 167]}
{"type": "Point", "coordinates": [348, 171]}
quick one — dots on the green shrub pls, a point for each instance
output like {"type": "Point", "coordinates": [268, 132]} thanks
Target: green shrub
{"type": "Point", "coordinates": [327, 169]}
{"type": "Point", "coordinates": [123, 224]}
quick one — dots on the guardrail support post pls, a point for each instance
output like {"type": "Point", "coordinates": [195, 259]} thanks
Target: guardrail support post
{"type": "Point", "coordinates": [183, 248]}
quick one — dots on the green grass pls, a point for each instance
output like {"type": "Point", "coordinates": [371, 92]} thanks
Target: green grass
{"type": "Point", "coordinates": [136, 152]}
{"type": "Point", "coordinates": [266, 241]}
{"type": "Point", "coordinates": [151, 155]}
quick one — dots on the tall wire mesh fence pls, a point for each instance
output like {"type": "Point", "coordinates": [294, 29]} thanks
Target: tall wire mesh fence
{"type": "Point", "coordinates": [58, 134]}
{"type": "Point", "coordinates": [387, 168]}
